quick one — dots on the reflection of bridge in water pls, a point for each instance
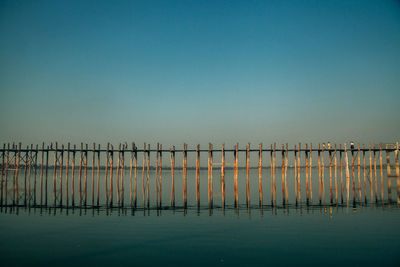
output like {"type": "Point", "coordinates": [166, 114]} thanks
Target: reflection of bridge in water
{"type": "Point", "coordinates": [356, 175]}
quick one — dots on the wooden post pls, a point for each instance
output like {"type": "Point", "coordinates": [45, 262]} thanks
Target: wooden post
{"type": "Point", "coordinates": [106, 172]}
{"type": "Point", "coordinates": [376, 176]}
{"type": "Point", "coordinates": [286, 166]}
{"type": "Point", "coordinates": [118, 169]}
{"type": "Point", "coordinates": [130, 175]}
{"type": "Point", "coordinates": [389, 176]}
{"type": "Point", "coordinates": [172, 157]}
{"type": "Point", "coordinates": [260, 190]}
{"type": "Point", "coordinates": [122, 192]}
{"type": "Point", "coordinates": [18, 156]}
{"type": "Point", "coordinates": [67, 174]}
{"type": "Point", "coordinates": [55, 176]}
{"type": "Point", "coordinates": [148, 175]}
{"type": "Point", "coordinates": [160, 178]}
{"type": "Point", "coordinates": [85, 188]}
{"type": "Point", "coordinates": [41, 175]}
{"type": "Point", "coordinates": [36, 159]}
{"type": "Point", "coordinates": [2, 174]}
{"type": "Point", "coordinates": [353, 171]}
{"type": "Point", "coordinates": [336, 182]}
{"type": "Point", "coordinates": [396, 162]}
{"type": "Point", "coordinates": [61, 173]}
{"type": "Point", "coordinates": [283, 175]}
{"type": "Point", "coordinates": [235, 185]}
{"type": "Point", "coordinates": [143, 171]}
{"type": "Point", "coordinates": [295, 173]}
{"type": "Point", "coordinates": [370, 173]}
{"type": "Point", "coordinates": [323, 173]}
{"type": "Point", "coordinates": [184, 175]}
{"type": "Point", "coordinates": [98, 176]}
{"type": "Point", "coordinates": [72, 178]}
{"type": "Point", "coordinates": [80, 176]}
{"type": "Point", "coordinates": [93, 167]}
{"type": "Point", "coordinates": [156, 182]}
{"type": "Point", "coordinates": [381, 169]}
{"type": "Point", "coordinates": [223, 175]}
{"type": "Point", "coordinates": [111, 174]}
{"type": "Point", "coordinates": [274, 171]}
{"type": "Point", "coordinates": [247, 175]}
{"type": "Point", "coordinates": [319, 172]}
{"type": "Point", "coordinates": [330, 173]}
{"type": "Point", "coordinates": [307, 182]}
{"type": "Point", "coordinates": [197, 175]}
{"type": "Point", "coordinates": [341, 172]}
{"type": "Point", "coordinates": [298, 172]}
{"type": "Point", "coordinates": [347, 174]}
{"type": "Point", "coordinates": [365, 176]}
{"type": "Point", "coordinates": [135, 187]}
{"type": "Point", "coordinates": [310, 164]}
{"type": "Point", "coordinates": [6, 176]}
{"type": "Point", "coordinates": [210, 175]}
{"type": "Point", "coordinates": [359, 172]}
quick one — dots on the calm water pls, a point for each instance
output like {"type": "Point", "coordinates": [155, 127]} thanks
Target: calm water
{"type": "Point", "coordinates": [360, 234]}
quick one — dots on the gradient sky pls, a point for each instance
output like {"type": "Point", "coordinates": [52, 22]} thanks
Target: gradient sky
{"type": "Point", "coordinates": [199, 71]}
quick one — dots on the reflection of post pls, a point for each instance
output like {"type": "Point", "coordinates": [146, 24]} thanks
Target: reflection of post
{"type": "Point", "coordinates": [197, 175]}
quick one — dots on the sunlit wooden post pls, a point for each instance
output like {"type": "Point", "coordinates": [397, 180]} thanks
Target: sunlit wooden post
{"type": "Point", "coordinates": [375, 175]}
{"type": "Point", "coordinates": [93, 167]}
{"type": "Point", "coordinates": [2, 174]}
{"type": "Point", "coordinates": [160, 176]}
{"type": "Point", "coordinates": [381, 170]}
{"type": "Point", "coordinates": [299, 172]}
{"type": "Point", "coordinates": [235, 185]}
{"type": "Point", "coordinates": [73, 177]}
{"type": "Point", "coordinates": [371, 173]}
{"type": "Point", "coordinates": [148, 175]}
{"type": "Point", "coordinates": [365, 176]}
{"type": "Point", "coordinates": [143, 173]}
{"type": "Point", "coordinates": [67, 175]}
{"type": "Point", "coordinates": [307, 180]}
{"type": "Point", "coordinates": [210, 175]}
{"type": "Point", "coordinates": [330, 173]}
{"type": "Point", "coordinates": [122, 194]}
{"type": "Point", "coordinates": [130, 175]}
{"type": "Point", "coordinates": [359, 172]}
{"type": "Point", "coordinates": [85, 185]}
{"type": "Point", "coordinates": [396, 162]}
{"type": "Point", "coordinates": [61, 173]}
{"type": "Point", "coordinates": [389, 176]}
{"type": "Point", "coordinates": [310, 165]}
{"type": "Point", "coordinates": [118, 170]}
{"type": "Point", "coordinates": [347, 174]}
{"type": "Point", "coordinates": [319, 172]}
{"type": "Point", "coordinates": [286, 167]}
{"type": "Point", "coordinates": [111, 174]}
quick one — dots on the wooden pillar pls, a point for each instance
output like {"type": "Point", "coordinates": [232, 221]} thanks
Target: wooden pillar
{"type": "Point", "coordinates": [172, 157]}
{"type": "Point", "coordinates": [148, 175]}
{"type": "Point", "coordinates": [295, 174]}
{"type": "Point", "coordinates": [336, 181]}
{"type": "Point", "coordinates": [341, 172]}
{"type": "Point", "coordinates": [376, 176]}
{"type": "Point", "coordinates": [72, 178]}
{"type": "Point", "coordinates": [381, 169]}
{"type": "Point", "coordinates": [93, 167]}
{"type": "Point", "coordinates": [353, 172]}
{"type": "Point", "coordinates": [160, 177]}
{"type": "Point", "coordinates": [122, 192]}
{"type": "Point", "coordinates": [98, 177]}
{"type": "Point", "coordinates": [55, 175]}
{"type": "Point", "coordinates": [359, 172]}
{"type": "Point", "coordinates": [17, 156]}
{"type": "Point", "coordinates": [118, 170]}
{"type": "Point", "coordinates": [310, 165]}
{"type": "Point", "coordinates": [80, 176]}
{"type": "Point", "coordinates": [283, 175]}
{"type": "Point", "coordinates": [396, 162]}
{"type": "Point", "coordinates": [330, 174]}
{"type": "Point", "coordinates": [365, 176]}
{"type": "Point", "coordinates": [135, 186]}
{"type": "Point", "coordinates": [235, 173]}
{"type": "Point", "coordinates": [299, 172]}
{"type": "Point", "coordinates": [274, 171]}
{"type": "Point", "coordinates": [389, 175]}
{"type": "Point", "coordinates": [67, 174]}
{"type": "Point", "coordinates": [260, 190]}
{"type": "Point", "coordinates": [61, 173]}
{"type": "Point", "coordinates": [319, 173]}
{"type": "Point", "coordinates": [143, 173]}
{"type": "Point", "coordinates": [223, 175]}
{"type": "Point", "coordinates": [323, 172]}
{"type": "Point", "coordinates": [41, 174]}
{"type": "Point", "coordinates": [184, 175]}
{"type": "Point", "coordinates": [85, 186]}
{"type": "Point", "coordinates": [307, 180]}
{"type": "Point", "coordinates": [197, 175]}
{"type": "Point", "coordinates": [111, 174]}
{"type": "Point", "coordinates": [3, 153]}
{"type": "Point", "coordinates": [210, 175]}
{"type": "Point", "coordinates": [156, 182]}
{"type": "Point", "coordinates": [347, 174]}
{"type": "Point", "coordinates": [286, 167]}
{"type": "Point", "coordinates": [371, 173]}
{"type": "Point", "coordinates": [106, 173]}
{"type": "Point", "coordinates": [247, 175]}
{"type": "Point", "coordinates": [130, 175]}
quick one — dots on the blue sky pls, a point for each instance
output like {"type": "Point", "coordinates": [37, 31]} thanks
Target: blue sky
{"type": "Point", "coordinates": [199, 71]}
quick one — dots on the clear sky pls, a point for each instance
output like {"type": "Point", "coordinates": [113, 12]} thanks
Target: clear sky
{"type": "Point", "coordinates": [199, 71]}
